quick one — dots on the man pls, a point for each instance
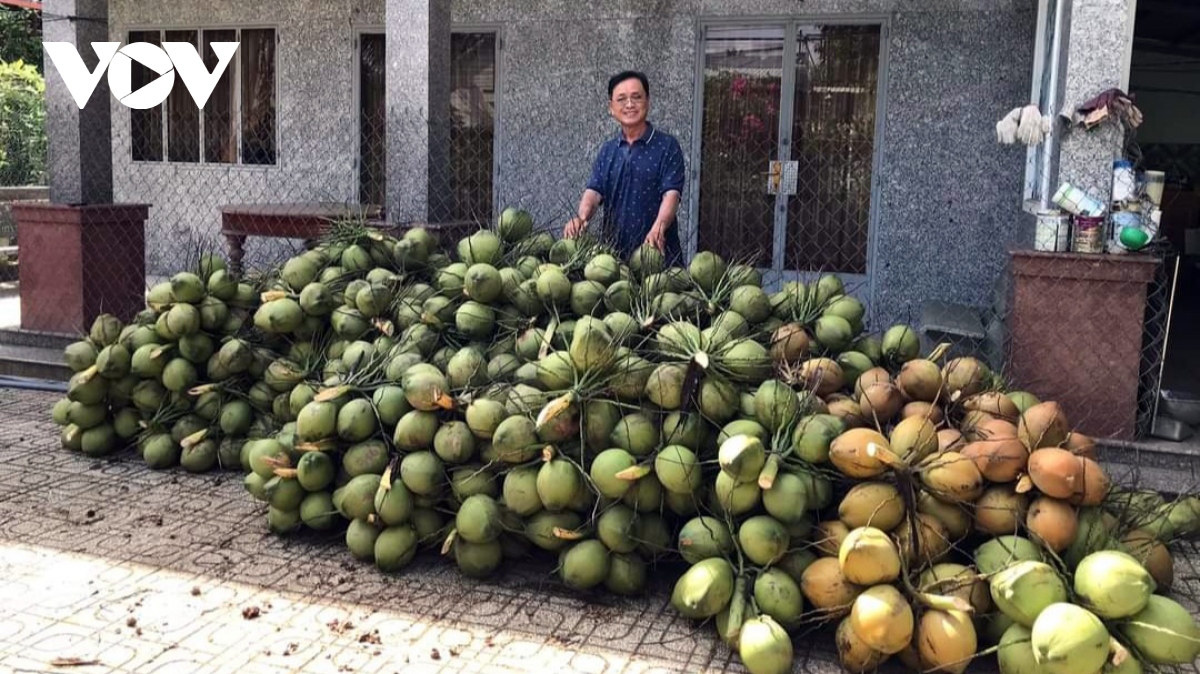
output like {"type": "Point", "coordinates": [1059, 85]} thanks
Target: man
{"type": "Point", "coordinates": [637, 177]}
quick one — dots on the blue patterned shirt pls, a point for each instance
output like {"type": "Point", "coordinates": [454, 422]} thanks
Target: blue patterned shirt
{"type": "Point", "coordinates": [631, 180]}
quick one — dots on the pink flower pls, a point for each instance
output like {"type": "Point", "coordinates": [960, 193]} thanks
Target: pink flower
{"type": "Point", "coordinates": [751, 124]}
{"type": "Point", "coordinates": [739, 87]}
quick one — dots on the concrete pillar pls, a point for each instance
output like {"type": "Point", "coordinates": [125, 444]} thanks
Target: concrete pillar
{"type": "Point", "coordinates": [79, 147]}
{"type": "Point", "coordinates": [418, 110]}
{"type": "Point", "coordinates": [1101, 41]}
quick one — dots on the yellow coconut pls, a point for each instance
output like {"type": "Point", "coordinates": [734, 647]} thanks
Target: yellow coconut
{"type": "Point", "coordinates": [1052, 521]}
{"type": "Point", "coordinates": [946, 641]}
{"type": "Point", "coordinates": [828, 536]}
{"type": "Point", "coordinates": [822, 375]}
{"type": "Point", "coordinates": [933, 541]}
{"type": "Point", "coordinates": [956, 580]}
{"type": "Point", "coordinates": [1055, 472]}
{"type": "Point", "coordinates": [954, 516]}
{"type": "Point", "coordinates": [914, 437]}
{"type": "Point", "coordinates": [876, 375]}
{"type": "Point", "coordinates": [869, 556]}
{"type": "Point", "coordinates": [953, 477]}
{"type": "Point", "coordinates": [850, 453]}
{"type": "Point", "coordinates": [1153, 555]}
{"type": "Point", "coordinates": [1000, 510]}
{"type": "Point", "coordinates": [876, 504]}
{"type": "Point", "coordinates": [824, 586]}
{"type": "Point", "coordinates": [1043, 425]}
{"type": "Point", "coordinates": [923, 410]}
{"type": "Point", "coordinates": [994, 404]}
{"type": "Point", "coordinates": [854, 654]}
{"type": "Point", "coordinates": [998, 459]}
{"type": "Point", "coordinates": [1080, 445]}
{"type": "Point", "coordinates": [882, 618]}
{"type": "Point", "coordinates": [1094, 484]}
{"type": "Point", "coordinates": [920, 380]}
{"type": "Point", "coordinates": [880, 403]}
{"type": "Point", "coordinates": [950, 440]}
{"type": "Point", "coordinates": [847, 410]}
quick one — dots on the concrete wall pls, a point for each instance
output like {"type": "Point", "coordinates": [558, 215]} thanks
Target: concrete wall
{"type": "Point", "coordinates": [317, 132]}
{"type": "Point", "coordinates": [949, 196]}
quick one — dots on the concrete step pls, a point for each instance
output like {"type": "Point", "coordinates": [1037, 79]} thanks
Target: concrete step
{"type": "Point", "coordinates": [12, 336]}
{"type": "Point", "coordinates": [36, 362]}
{"type": "Point", "coordinates": [1171, 467]}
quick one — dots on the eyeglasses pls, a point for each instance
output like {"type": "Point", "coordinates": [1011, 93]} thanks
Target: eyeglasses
{"type": "Point", "coordinates": [636, 99]}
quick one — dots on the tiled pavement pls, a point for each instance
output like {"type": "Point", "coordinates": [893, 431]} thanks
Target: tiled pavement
{"type": "Point", "coordinates": [106, 566]}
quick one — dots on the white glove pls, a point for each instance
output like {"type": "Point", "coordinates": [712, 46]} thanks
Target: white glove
{"type": "Point", "coordinates": [1006, 128]}
{"type": "Point", "coordinates": [1032, 129]}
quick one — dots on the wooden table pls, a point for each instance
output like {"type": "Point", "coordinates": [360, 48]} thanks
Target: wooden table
{"type": "Point", "coordinates": [306, 221]}
{"type": "Point", "coordinates": [309, 221]}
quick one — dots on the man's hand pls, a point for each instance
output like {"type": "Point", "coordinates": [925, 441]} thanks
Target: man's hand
{"type": "Point", "coordinates": [657, 237]}
{"type": "Point", "coordinates": [574, 228]}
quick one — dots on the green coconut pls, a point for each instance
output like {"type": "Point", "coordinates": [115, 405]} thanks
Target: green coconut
{"type": "Point", "coordinates": [775, 405]}
{"type": "Point", "coordinates": [678, 469]}
{"type": "Point", "coordinates": [478, 519]}
{"type": "Point", "coordinates": [365, 457]}
{"type": "Point", "coordinates": [704, 589]}
{"type": "Point", "coordinates": [478, 560]}
{"type": "Point", "coordinates": [277, 316]}
{"type": "Point", "coordinates": [515, 440]}
{"type": "Point", "coordinates": [317, 511]}
{"type": "Point", "coordinates": [1024, 589]}
{"type": "Point", "coordinates": [360, 539]}
{"type": "Point", "coordinates": [706, 270]}
{"type": "Point", "coordinates": [745, 360]}
{"type": "Point", "coordinates": [1112, 584]}
{"type": "Point", "coordinates": [626, 574]}
{"type": "Point", "coordinates": [356, 500]}
{"type": "Point", "coordinates": [733, 497]}
{"type": "Point", "coordinates": [742, 457]}
{"type": "Point", "coordinates": [315, 471]}
{"type": "Point", "coordinates": [814, 435]}
{"type": "Point", "coordinates": [604, 469]}
{"type": "Point", "coordinates": [664, 387]}
{"type": "Point", "coordinates": [395, 547]}
{"type": "Point", "coordinates": [618, 527]}
{"type": "Point", "coordinates": [423, 473]}
{"type": "Point", "coordinates": [483, 246]}
{"type": "Point", "coordinates": [900, 344]}
{"type": "Point", "coordinates": [787, 500]}
{"type": "Point", "coordinates": [1068, 639]}
{"type": "Point", "coordinates": [636, 433]}
{"type": "Point", "coordinates": [763, 539]}
{"type": "Point", "coordinates": [1003, 551]}
{"type": "Point", "coordinates": [703, 537]}
{"type": "Point", "coordinates": [559, 484]}
{"type": "Point", "coordinates": [553, 287]}
{"type": "Point", "coordinates": [356, 420]}
{"type": "Point", "coordinates": [80, 355]}
{"type": "Point", "coordinates": [1163, 632]}
{"type": "Point", "coordinates": [1014, 653]}
{"type": "Point", "coordinates": [778, 595]}
{"type": "Point", "coordinates": [584, 565]}
{"type": "Point", "coordinates": [159, 451]}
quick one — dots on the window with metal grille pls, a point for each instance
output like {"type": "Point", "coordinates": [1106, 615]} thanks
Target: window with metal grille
{"type": "Point", "coordinates": [238, 122]}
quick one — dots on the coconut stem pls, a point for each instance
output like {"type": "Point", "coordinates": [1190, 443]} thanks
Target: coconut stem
{"type": "Point", "coordinates": [940, 602]}
{"type": "Point", "coordinates": [766, 477]}
{"type": "Point", "coordinates": [634, 473]}
{"type": "Point", "coordinates": [449, 542]}
{"type": "Point", "coordinates": [1119, 653]}
{"type": "Point", "coordinates": [737, 610]}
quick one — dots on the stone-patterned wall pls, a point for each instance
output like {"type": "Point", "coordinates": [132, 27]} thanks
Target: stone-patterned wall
{"type": "Point", "coordinates": [948, 195]}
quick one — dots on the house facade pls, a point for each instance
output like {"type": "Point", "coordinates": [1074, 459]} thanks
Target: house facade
{"type": "Point", "coordinates": [847, 136]}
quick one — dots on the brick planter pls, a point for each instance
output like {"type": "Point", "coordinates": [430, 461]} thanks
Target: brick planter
{"type": "Point", "coordinates": [1076, 331]}
{"type": "Point", "coordinates": [78, 262]}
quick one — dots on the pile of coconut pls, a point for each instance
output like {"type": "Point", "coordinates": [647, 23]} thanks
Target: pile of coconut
{"type": "Point", "coordinates": [764, 453]}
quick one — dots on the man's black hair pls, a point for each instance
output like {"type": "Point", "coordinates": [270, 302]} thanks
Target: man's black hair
{"type": "Point", "coordinates": [628, 75]}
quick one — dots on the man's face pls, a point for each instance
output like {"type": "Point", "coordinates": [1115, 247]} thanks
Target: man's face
{"type": "Point", "coordinates": [629, 103]}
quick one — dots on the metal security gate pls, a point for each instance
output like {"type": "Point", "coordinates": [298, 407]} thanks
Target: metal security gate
{"type": "Point", "coordinates": [788, 119]}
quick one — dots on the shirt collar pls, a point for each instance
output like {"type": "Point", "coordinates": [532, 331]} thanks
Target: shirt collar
{"type": "Point", "coordinates": [645, 138]}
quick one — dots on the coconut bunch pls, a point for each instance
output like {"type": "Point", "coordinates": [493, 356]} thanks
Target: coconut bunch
{"type": "Point", "coordinates": [152, 368]}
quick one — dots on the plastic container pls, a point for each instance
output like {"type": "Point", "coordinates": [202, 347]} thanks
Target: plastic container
{"type": "Point", "coordinates": [1124, 182]}
{"type": "Point", "coordinates": [1077, 202]}
{"type": "Point", "coordinates": [1154, 183]}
